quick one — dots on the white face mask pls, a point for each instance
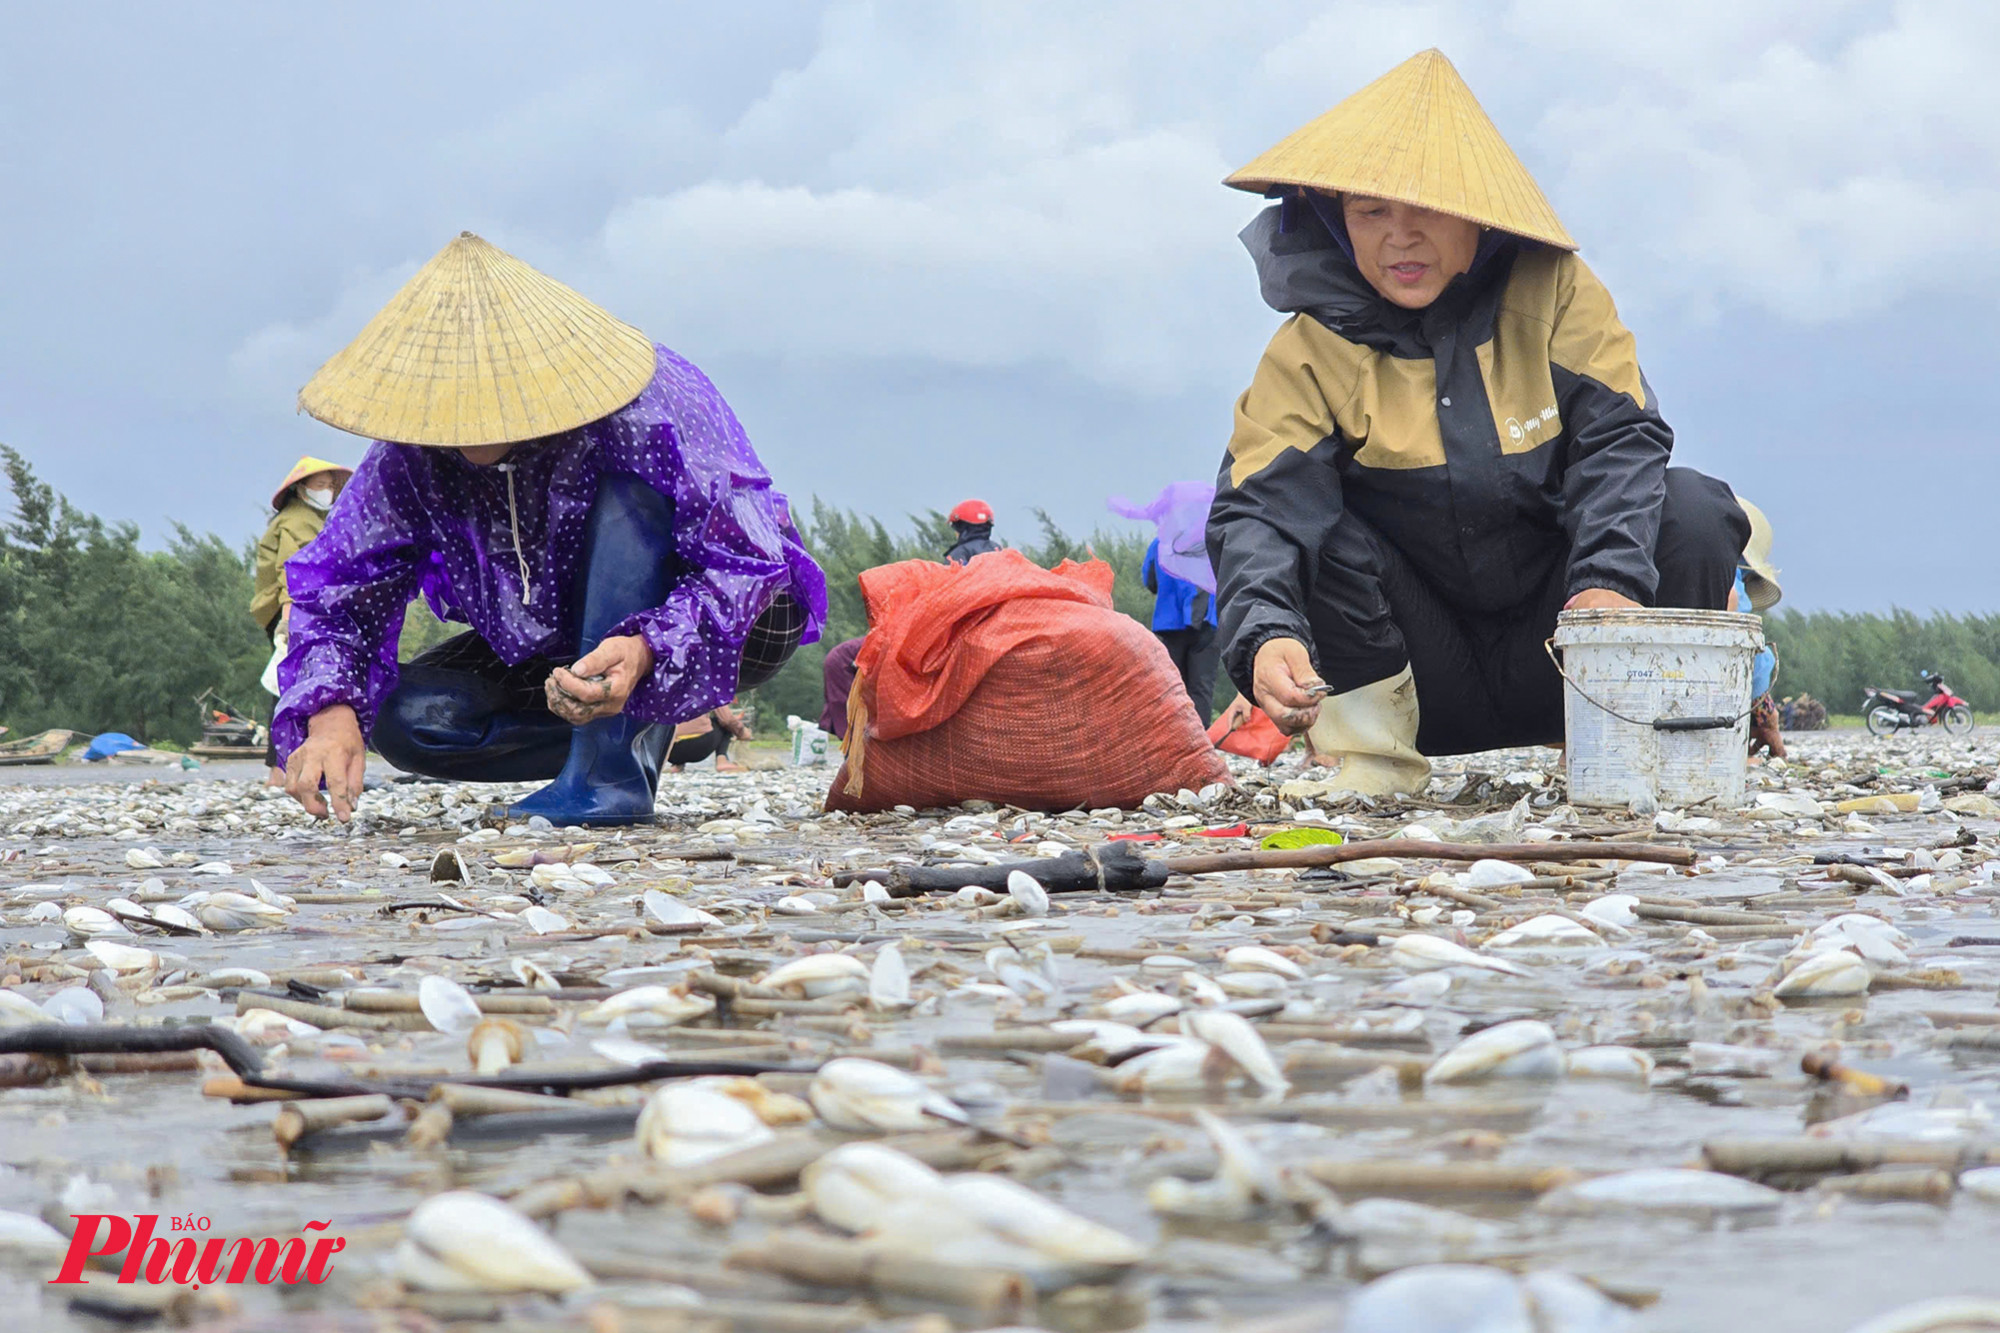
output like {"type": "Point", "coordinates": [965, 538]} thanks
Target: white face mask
{"type": "Point", "coordinates": [320, 498]}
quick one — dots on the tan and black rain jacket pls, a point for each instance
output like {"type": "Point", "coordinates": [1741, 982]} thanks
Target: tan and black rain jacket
{"type": "Point", "coordinates": [1500, 435]}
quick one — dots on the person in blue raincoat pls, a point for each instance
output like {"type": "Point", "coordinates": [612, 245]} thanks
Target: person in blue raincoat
{"type": "Point", "coordinates": [1184, 620]}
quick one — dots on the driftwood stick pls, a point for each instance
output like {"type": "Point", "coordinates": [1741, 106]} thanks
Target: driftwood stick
{"type": "Point", "coordinates": [405, 1002]}
{"type": "Point", "coordinates": [1457, 1179]}
{"type": "Point", "coordinates": [1406, 849]}
{"type": "Point", "coordinates": [295, 1120]}
{"type": "Point", "coordinates": [1116, 868]}
{"type": "Point", "coordinates": [1776, 1159]}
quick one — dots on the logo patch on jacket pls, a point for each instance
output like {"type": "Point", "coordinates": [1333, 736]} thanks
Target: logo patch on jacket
{"type": "Point", "coordinates": [1539, 426]}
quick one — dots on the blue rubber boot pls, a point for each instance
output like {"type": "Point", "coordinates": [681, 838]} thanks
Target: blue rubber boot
{"type": "Point", "coordinates": [628, 566]}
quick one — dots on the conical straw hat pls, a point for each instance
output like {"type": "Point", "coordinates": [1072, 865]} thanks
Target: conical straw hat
{"type": "Point", "coordinates": [1760, 576]}
{"type": "Point", "coordinates": [304, 468]}
{"type": "Point", "coordinates": [1417, 134]}
{"type": "Point", "coordinates": [478, 348]}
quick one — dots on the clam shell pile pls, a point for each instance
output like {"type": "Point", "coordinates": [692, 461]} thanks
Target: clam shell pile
{"type": "Point", "coordinates": [1403, 1093]}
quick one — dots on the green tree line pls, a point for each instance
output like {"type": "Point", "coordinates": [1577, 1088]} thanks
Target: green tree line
{"type": "Point", "coordinates": [97, 634]}
{"type": "Point", "coordinates": [1835, 656]}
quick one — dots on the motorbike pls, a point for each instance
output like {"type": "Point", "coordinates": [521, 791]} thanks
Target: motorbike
{"type": "Point", "coordinates": [1893, 710]}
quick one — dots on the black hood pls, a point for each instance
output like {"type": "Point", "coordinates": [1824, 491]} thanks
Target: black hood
{"type": "Point", "coordinates": [1303, 268]}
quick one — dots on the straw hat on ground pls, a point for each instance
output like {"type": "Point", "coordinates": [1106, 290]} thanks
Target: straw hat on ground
{"type": "Point", "coordinates": [1418, 135]}
{"type": "Point", "coordinates": [478, 348]}
{"type": "Point", "coordinates": [1760, 576]}
{"type": "Point", "coordinates": [304, 468]}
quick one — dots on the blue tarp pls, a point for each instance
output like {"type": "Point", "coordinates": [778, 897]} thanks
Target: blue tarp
{"type": "Point", "coordinates": [109, 743]}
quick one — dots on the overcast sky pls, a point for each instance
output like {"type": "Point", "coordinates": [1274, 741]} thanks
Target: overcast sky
{"type": "Point", "coordinates": [931, 250]}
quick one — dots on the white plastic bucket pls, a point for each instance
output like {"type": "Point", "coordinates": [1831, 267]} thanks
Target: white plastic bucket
{"type": "Point", "coordinates": [1657, 705]}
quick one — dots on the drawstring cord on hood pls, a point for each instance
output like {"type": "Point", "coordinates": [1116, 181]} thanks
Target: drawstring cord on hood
{"type": "Point", "coordinates": [514, 525]}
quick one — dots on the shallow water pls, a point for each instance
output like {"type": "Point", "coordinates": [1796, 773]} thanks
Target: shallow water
{"type": "Point", "coordinates": [131, 1143]}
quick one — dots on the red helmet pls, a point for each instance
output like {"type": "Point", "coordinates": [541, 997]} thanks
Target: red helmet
{"type": "Point", "coordinates": [972, 511]}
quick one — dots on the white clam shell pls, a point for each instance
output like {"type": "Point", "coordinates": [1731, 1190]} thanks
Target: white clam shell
{"type": "Point", "coordinates": [659, 1006]}
{"type": "Point", "coordinates": [1612, 1062]}
{"type": "Point", "coordinates": [1875, 940]}
{"type": "Point", "coordinates": [820, 974]}
{"type": "Point", "coordinates": [1440, 1298]}
{"type": "Point", "coordinates": [1524, 1048]}
{"type": "Point", "coordinates": [1834, 973]}
{"type": "Point", "coordinates": [671, 911]}
{"type": "Point", "coordinates": [685, 1123]}
{"type": "Point", "coordinates": [1613, 909]}
{"type": "Point", "coordinates": [465, 1241]}
{"type": "Point", "coordinates": [122, 958]}
{"type": "Point", "coordinates": [542, 921]}
{"type": "Point", "coordinates": [17, 1009]}
{"type": "Point", "coordinates": [1028, 895]}
{"type": "Point", "coordinates": [857, 1185]}
{"type": "Point", "coordinates": [889, 979]}
{"type": "Point", "coordinates": [76, 1005]}
{"type": "Point", "coordinates": [1945, 1314]}
{"type": "Point", "coordinates": [86, 922]}
{"type": "Point", "coordinates": [1545, 931]}
{"type": "Point", "coordinates": [19, 1231]}
{"type": "Point", "coordinates": [1426, 953]}
{"type": "Point", "coordinates": [1252, 985]}
{"type": "Point", "coordinates": [855, 1094]}
{"type": "Point", "coordinates": [448, 1006]}
{"type": "Point", "coordinates": [1233, 1035]}
{"type": "Point", "coordinates": [1256, 958]}
{"type": "Point", "coordinates": [237, 911]}
{"type": "Point", "coordinates": [1496, 875]}
{"type": "Point", "coordinates": [1141, 1007]}
{"type": "Point", "coordinates": [1664, 1190]}
{"type": "Point", "coordinates": [1981, 1183]}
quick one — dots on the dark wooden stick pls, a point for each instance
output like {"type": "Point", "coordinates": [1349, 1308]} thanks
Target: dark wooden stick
{"type": "Point", "coordinates": [115, 1039]}
{"type": "Point", "coordinates": [1117, 868]}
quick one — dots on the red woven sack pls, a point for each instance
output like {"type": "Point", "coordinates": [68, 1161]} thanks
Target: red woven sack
{"type": "Point", "coordinates": [1002, 681]}
{"type": "Point", "coordinates": [1258, 739]}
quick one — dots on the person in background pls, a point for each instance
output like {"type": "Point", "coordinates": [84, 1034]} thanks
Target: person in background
{"type": "Point", "coordinates": [704, 736]}
{"type": "Point", "coordinates": [584, 499]}
{"type": "Point", "coordinates": [1177, 572]}
{"type": "Point", "coordinates": [972, 520]}
{"type": "Point", "coordinates": [1757, 591]}
{"type": "Point", "coordinates": [298, 513]}
{"type": "Point", "coordinates": [839, 677]}
{"type": "Point", "coordinates": [1184, 620]}
{"type": "Point", "coordinates": [1448, 443]}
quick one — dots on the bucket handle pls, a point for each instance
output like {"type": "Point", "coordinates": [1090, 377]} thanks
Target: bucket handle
{"type": "Point", "coordinates": [1658, 723]}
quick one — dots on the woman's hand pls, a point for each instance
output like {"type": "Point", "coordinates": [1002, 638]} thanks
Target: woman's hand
{"type": "Point", "coordinates": [600, 683]}
{"type": "Point", "coordinates": [1284, 677]}
{"type": "Point", "coordinates": [334, 752]}
{"type": "Point", "coordinates": [1600, 599]}
{"type": "Point", "coordinates": [732, 722]}
{"type": "Point", "coordinates": [1237, 715]}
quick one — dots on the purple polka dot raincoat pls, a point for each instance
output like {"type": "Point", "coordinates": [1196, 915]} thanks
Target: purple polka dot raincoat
{"type": "Point", "coordinates": [424, 520]}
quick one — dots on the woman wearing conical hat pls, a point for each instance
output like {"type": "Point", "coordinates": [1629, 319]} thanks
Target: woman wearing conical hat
{"type": "Point", "coordinates": [583, 499]}
{"type": "Point", "coordinates": [298, 512]}
{"type": "Point", "coordinates": [1448, 443]}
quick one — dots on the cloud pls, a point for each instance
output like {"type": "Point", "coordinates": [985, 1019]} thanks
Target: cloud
{"type": "Point", "coordinates": [1101, 260]}
{"type": "Point", "coordinates": [1816, 185]}
{"type": "Point", "coordinates": [267, 369]}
